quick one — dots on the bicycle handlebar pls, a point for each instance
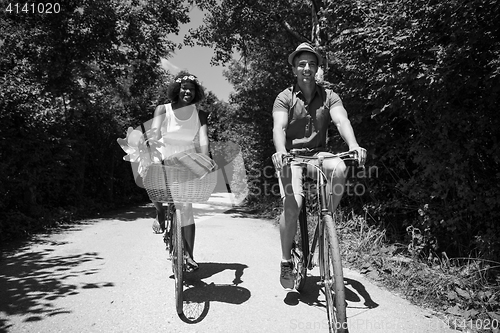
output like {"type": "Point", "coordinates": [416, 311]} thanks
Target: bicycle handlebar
{"type": "Point", "coordinates": [304, 154]}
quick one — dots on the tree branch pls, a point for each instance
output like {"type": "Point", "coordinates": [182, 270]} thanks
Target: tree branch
{"type": "Point", "coordinates": [315, 24]}
{"type": "Point", "coordinates": [316, 5]}
{"type": "Point", "coordinates": [290, 30]}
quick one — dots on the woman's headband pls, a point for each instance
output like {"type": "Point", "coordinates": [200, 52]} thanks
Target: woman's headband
{"type": "Point", "coordinates": [187, 78]}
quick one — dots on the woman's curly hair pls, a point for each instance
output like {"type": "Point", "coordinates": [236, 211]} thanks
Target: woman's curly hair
{"type": "Point", "coordinates": [175, 87]}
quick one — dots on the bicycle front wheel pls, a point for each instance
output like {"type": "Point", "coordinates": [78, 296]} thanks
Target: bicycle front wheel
{"type": "Point", "coordinates": [177, 260]}
{"type": "Point", "coordinates": [333, 278]}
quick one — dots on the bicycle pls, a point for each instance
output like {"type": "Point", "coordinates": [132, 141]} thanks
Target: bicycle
{"type": "Point", "coordinates": [325, 237]}
{"type": "Point", "coordinates": [177, 184]}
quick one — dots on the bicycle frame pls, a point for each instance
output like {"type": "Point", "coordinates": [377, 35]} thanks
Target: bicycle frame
{"type": "Point", "coordinates": [169, 215]}
{"type": "Point", "coordinates": [322, 198]}
{"type": "Point", "coordinates": [322, 211]}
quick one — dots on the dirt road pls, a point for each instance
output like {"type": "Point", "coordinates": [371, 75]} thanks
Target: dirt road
{"type": "Point", "coordinates": [111, 274]}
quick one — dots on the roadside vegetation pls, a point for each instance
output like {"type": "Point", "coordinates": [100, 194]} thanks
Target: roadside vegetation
{"type": "Point", "coordinates": [464, 292]}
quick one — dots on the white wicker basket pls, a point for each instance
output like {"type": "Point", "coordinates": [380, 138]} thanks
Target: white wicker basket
{"type": "Point", "coordinates": [178, 184]}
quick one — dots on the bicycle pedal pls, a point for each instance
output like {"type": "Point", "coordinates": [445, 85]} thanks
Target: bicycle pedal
{"type": "Point", "coordinates": [296, 252]}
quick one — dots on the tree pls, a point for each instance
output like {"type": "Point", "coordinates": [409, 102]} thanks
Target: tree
{"type": "Point", "coordinates": [70, 83]}
{"type": "Point", "coordinates": [420, 87]}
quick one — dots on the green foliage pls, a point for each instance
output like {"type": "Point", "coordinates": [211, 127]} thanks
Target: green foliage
{"type": "Point", "coordinates": [251, 27]}
{"type": "Point", "coordinates": [432, 99]}
{"type": "Point", "coordinates": [420, 81]}
{"type": "Point", "coordinates": [70, 84]}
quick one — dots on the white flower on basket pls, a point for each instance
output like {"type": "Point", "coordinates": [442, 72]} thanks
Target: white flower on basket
{"type": "Point", "coordinates": [140, 150]}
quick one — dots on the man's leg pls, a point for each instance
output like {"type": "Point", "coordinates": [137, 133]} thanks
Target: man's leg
{"type": "Point", "coordinates": [335, 170]}
{"type": "Point", "coordinates": [336, 173]}
{"type": "Point", "coordinates": [291, 191]}
{"type": "Point", "coordinates": [288, 223]}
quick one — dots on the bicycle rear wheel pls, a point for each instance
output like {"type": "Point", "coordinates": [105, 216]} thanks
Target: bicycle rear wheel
{"type": "Point", "coordinates": [333, 278]}
{"type": "Point", "coordinates": [178, 260]}
{"type": "Point", "coordinates": [300, 251]}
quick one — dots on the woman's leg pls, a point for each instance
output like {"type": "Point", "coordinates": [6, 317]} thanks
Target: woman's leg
{"type": "Point", "coordinates": [188, 227]}
{"type": "Point", "coordinates": [160, 217]}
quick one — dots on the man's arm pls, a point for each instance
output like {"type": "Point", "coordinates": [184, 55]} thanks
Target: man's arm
{"type": "Point", "coordinates": [341, 121]}
{"type": "Point", "coordinates": [280, 123]}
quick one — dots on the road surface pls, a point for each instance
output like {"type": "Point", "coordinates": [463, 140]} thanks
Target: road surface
{"type": "Point", "coordinates": [111, 274]}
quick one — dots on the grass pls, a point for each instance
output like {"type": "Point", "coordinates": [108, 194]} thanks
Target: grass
{"type": "Point", "coordinates": [464, 292]}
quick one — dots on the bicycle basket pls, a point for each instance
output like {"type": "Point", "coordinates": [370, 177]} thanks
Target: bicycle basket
{"type": "Point", "coordinates": [177, 184]}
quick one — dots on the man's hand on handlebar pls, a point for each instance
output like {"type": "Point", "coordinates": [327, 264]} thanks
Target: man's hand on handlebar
{"type": "Point", "coordinates": [357, 152]}
{"type": "Point", "coordinates": [278, 160]}
{"type": "Point", "coordinates": [361, 152]}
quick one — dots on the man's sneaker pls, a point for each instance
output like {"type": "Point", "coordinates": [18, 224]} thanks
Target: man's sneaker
{"type": "Point", "coordinates": [286, 277]}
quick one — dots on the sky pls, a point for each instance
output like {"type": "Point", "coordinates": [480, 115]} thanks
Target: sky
{"type": "Point", "coordinates": [197, 60]}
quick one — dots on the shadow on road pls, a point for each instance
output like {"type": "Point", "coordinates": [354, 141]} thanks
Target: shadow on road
{"type": "Point", "coordinates": [199, 294]}
{"type": "Point", "coordinates": [245, 212]}
{"type": "Point", "coordinates": [130, 214]}
{"type": "Point", "coordinates": [147, 211]}
{"type": "Point", "coordinates": [30, 281]}
{"type": "Point", "coordinates": [361, 291]}
{"type": "Point", "coordinates": [311, 292]}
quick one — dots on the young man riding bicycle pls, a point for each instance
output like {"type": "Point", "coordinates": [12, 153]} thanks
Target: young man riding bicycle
{"type": "Point", "coordinates": [301, 115]}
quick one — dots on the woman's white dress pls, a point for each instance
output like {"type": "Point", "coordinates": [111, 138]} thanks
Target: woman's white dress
{"type": "Point", "coordinates": [179, 135]}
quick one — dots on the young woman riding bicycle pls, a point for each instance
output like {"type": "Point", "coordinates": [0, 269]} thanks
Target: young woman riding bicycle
{"type": "Point", "coordinates": [182, 128]}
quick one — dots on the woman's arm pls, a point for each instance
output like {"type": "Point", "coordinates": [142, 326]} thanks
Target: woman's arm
{"type": "Point", "coordinates": [204, 143]}
{"type": "Point", "coordinates": [158, 117]}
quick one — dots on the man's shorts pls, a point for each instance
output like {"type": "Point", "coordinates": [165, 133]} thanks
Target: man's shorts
{"type": "Point", "coordinates": [291, 177]}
